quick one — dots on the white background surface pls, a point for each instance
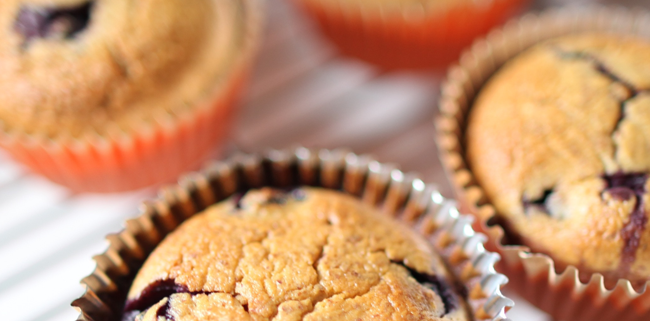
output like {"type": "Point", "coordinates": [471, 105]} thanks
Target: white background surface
{"type": "Point", "coordinates": [302, 92]}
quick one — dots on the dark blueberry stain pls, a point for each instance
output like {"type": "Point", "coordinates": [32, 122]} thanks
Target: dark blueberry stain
{"type": "Point", "coordinates": [632, 183]}
{"type": "Point", "coordinates": [621, 193]}
{"type": "Point", "coordinates": [625, 186]}
{"type": "Point", "coordinates": [153, 293]}
{"type": "Point", "coordinates": [236, 199]}
{"type": "Point", "coordinates": [299, 194]}
{"type": "Point", "coordinates": [282, 196]}
{"type": "Point", "coordinates": [130, 315]}
{"type": "Point", "coordinates": [438, 285]}
{"type": "Point", "coordinates": [540, 203]}
{"type": "Point", "coordinates": [52, 22]}
{"type": "Point", "coordinates": [163, 311]}
{"type": "Point", "coordinates": [277, 196]}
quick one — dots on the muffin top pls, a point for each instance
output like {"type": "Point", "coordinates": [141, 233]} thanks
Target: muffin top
{"type": "Point", "coordinates": [559, 139]}
{"type": "Point", "coordinates": [310, 254]}
{"type": "Point", "coordinates": [72, 67]}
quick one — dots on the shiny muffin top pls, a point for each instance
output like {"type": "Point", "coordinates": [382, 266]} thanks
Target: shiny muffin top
{"type": "Point", "coordinates": [559, 139]}
{"type": "Point", "coordinates": [309, 254]}
{"type": "Point", "coordinates": [69, 67]}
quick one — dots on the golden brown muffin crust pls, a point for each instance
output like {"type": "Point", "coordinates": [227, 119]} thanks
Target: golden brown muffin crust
{"type": "Point", "coordinates": [129, 59]}
{"type": "Point", "coordinates": [310, 255]}
{"type": "Point", "coordinates": [559, 139]}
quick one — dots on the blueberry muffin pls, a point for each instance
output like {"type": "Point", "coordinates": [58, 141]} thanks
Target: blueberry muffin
{"type": "Point", "coordinates": [559, 139]}
{"type": "Point", "coordinates": [309, 254]}
{"type": "Point", "coordinates": [74, 66]}
{"type": "Point", "coordinates": [96, 93]}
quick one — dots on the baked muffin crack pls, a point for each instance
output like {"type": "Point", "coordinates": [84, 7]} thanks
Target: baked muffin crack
{"type": "Point", "coordinates": [161, 291]}
{"type": "Point", "coordinates": [120, 62]}
{"type": "Point", "coordinates": [598, 65]}
{"type": "Point", "coordinates": [629, 91]}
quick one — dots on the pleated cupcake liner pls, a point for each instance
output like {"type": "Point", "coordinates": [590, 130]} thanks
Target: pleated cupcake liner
{"type": "Point", "coordinates": [407, 36]}
{"type": "Point", "coordinates": [401, 195]}
{"type": "Point", "coordinates": [569, 294]}
{"type": "Point", "coordinates": [158, 150]}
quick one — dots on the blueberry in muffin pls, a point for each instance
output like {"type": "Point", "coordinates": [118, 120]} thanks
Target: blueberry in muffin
{"type": "Point", "coordinates": [559, 139]}
{"type": "Point", "coordinates": [310, 254]}
{"type": "Point", "coordinates": [33, 22]}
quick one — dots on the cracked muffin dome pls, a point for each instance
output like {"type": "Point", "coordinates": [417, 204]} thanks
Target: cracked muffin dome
{"type": "Point", "coordinates": [69, 67]}
{"type": "Point", "coordinates": [310, 254]}
{"type": "Point", "coordinates": [559, 139]}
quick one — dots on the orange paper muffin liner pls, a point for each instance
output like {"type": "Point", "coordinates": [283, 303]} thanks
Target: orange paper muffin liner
{"type": "Point", "coordinates": [157, 151]}
{"type": "Point", "coordinates": [400, 36]}
{"type": "Point", "coordinates": [566, 293]}
{"type": "Point", "coordinates": [403, 196]}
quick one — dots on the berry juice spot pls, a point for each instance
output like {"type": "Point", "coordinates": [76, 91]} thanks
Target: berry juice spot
{"type": "Point", "coordinates": [35, 22]}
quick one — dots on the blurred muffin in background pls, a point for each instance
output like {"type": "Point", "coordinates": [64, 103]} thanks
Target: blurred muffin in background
{"type": "Point", "coordinates": [108, 95]}
{"type": "Point", "coordinates": [412, 34]}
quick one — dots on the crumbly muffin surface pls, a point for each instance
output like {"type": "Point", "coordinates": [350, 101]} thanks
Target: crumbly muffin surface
{"type": "Point", "coordinates": [306, 255]}
{"type": "Point", "coordinates": [559, 139]}
{"type": "Point", "coordinates": [73, 67]}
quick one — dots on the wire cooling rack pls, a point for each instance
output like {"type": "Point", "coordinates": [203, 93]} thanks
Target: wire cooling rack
{"type": "Point", "coordinates": [302, 93]}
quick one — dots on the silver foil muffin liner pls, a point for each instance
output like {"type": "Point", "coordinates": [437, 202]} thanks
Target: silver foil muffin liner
{"type": "Point", "coordinates": [569, 294]}
{"type": "Point", "coordinates": [401, 195]}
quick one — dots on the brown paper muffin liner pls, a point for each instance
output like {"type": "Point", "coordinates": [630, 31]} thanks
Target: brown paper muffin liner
{"type": "Point", "coordinates": [158, 150]}
{"type": "Point", "coordinates": [568, 294]}
{"type": "Point", "coordinates": [401, 195]}
{"type": "Point", "coordinates": [395, 34]}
